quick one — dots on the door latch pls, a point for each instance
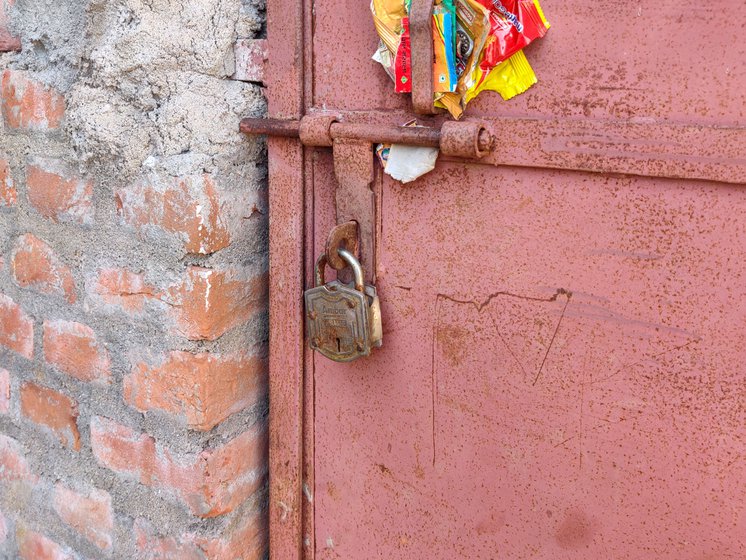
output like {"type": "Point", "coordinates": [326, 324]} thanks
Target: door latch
{"type": "Point", "coordinates": [352, 144]}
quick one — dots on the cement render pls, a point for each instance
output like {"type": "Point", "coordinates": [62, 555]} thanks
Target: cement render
{"type": "Point", "coordinates": [147, 92]}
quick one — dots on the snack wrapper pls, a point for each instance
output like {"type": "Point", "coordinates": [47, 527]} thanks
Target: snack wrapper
{"type": "Point", "coordinates": [513, 25]}
{"type": "Point", "coordinates": [384, 57]}
{"type": "Point", "coordinates": [387, 16]}
{"type": "Point", "coordinates": [445, 77]}
{"type": "Point", "coordinates": [403, 62]}
{"type": "Point", "coordinates": [477, 46]}
{"type": "Point", "coordinates": [509, 78]}
{"type": "Point", "coordinates": [473, 28]}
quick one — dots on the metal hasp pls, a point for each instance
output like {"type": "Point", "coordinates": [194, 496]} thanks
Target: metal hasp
{"type": "Point", "coordinates": [421, 40]}
{"type": "Point", "coordinates": [353, 143]}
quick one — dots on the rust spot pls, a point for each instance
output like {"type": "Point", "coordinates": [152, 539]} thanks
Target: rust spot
{"type": "Point", "coordinates": [452, 341]}
{"type": "Point", "coordinates": [384, 469]}
{"type": "Point", "coordinates": [575, 531]}
{"type": "Point", "coordinates": [331, 489]}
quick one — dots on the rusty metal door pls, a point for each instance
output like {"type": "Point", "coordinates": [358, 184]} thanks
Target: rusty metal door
{"type": "Point", "coordinates": [563, 368]}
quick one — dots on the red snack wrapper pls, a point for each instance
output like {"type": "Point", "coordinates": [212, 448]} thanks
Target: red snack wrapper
{"type": "Point", "coordinates": [403, 63]}
{"type": "Point", "coordinates": [513, 25]}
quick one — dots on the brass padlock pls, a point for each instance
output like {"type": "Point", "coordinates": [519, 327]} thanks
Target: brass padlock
{"type": "Point", "coordinates": [344, 320]}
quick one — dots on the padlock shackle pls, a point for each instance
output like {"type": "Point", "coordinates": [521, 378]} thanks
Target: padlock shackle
{"type": "Point", "coordinates": [320, 268]}
{"type": "Point", "coordinates": [351, 261]}
{"type": "Point", "coordinates": [356, 267]}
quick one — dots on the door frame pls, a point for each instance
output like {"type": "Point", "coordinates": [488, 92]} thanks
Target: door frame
{"type": "Point", "coordinates": [289, 23]}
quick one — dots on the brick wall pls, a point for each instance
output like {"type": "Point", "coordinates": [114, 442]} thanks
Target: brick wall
{"type": "Point", "coordinates": [133, 280]}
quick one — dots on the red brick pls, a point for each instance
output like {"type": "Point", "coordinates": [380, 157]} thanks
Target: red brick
{"type": "Point", "coordinates": [251, 60]}
{"type": "Point", "coordinates": [36, 266]}
{"type": "Point", "coordinates": [74, 349]}
{"type": "Point", "coordinates": [34, 546]}
{"type": "Point", "coordinates": [90, 515]}
{"type": "Point", "coordinates": [58, 193]}
{"type": "Point", "coordinates": [4, 391]}
{"type": "Point", "coordinates": [123, 288]}
{"type": "Point", "coordinates": [204, 389]}
{"type": "Point", "coordinates": [213, 483]}
{"type": "Point", "coordinates": [8, 193]}
{"type": "Point", "coordinates": [210, 302]}
{"type": "Point", "coordinates": [29, 104]}
{"type": "Point", "coordinates": [186, 206]}
{"type": "Point", "coordinates": [16, 328]}
{"type": "Point", "coordinates": [53, 410]}
{"type": "Point", "coordinates": [247, 540]}
{"type": "Point", "coordinates": [154, 547]}
{"type": "Point", "coordinates": [13, 465]}
{"type": "Point", "coordinates": [8, 41]}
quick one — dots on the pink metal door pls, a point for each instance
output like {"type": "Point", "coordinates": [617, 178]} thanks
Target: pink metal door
{"type": "Point", "coordinates": [563, 365]}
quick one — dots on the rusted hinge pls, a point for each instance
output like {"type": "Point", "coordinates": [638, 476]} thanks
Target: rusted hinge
{"type": "Point", "coordinates": [353, 143]}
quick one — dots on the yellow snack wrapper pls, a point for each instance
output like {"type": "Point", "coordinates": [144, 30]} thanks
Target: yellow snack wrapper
{"type": "Point", "coordinates": [387, 16]}
{"type": "Point", "coordinates": [509, 78]}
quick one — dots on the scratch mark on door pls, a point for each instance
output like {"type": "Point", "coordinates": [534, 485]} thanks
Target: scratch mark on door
{"type": "Point", "coordinates": [640, 362]}
{"type": "Point", "coordinates": [480, 306]}
{"type": "Point", "coordinates": [556, 330]}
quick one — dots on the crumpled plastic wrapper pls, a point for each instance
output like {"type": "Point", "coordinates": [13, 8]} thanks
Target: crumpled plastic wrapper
{"type": "Point", "coordinates": [480, 41]}
{"type": "Point", "coordinates": [406, 163]}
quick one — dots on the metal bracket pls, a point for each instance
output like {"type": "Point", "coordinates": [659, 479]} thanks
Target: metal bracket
{"type": "Point", "coordinates": [421, 39]}
{"type": "Point", "coordinates": [356, 201]}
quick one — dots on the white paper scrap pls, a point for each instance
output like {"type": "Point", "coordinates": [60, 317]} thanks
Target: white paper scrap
{"type": "Point", "coordinates": [407, 163]}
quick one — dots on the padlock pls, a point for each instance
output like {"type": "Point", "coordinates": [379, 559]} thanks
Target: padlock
{"type": "Point", "coordinates": [344, 320]}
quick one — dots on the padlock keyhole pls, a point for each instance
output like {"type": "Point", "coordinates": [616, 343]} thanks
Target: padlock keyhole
{"type": "Point", "coordinates": [339, 345]}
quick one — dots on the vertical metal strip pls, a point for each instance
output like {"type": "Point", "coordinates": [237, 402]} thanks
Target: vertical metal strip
{"type": "Point", "coordinates": [285, 23]}
{"type": "Point", "coordinates": [421, 39]}
{"type": "Point", "coordinates": [308, 490]}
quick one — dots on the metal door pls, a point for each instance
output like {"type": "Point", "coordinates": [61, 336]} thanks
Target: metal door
{"type": "Point", "coordinates": [563, 368]}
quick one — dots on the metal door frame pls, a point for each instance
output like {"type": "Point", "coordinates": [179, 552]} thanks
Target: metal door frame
{"type": "Point", "coordinates": [289, 24]}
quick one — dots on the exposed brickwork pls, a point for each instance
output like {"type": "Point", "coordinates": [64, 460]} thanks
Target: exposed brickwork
{"type": "Point", "coordinates": [74, 349]}
{"type": "Point", "coordinates": [53, 410]}
{"type": "Point", "coordinates": [247, 540]}
{"type": "Point", "coordinates": [13, 464]}
{"type": "Point", "coordinates": [133, 281]}
{"type": "Point", "coordinates": [202, 388]}
{"type": "Point", "coordinates": [251, 60]}
{"type": "Point", "coordinates": [35, 546]}
{"type": "Point", "coordinates": [154, 547]}
{"type": "Point", "coordinates": [188, 207]}
{"type": "Point", "coordinates": [122, 288]}
{"type": "Point", "coordinates": [213, 483]}
{"type": "Point", "coordinates": [90, 515]}
{"type": "Point", "coordinates": [8, 193]}
{"type": "Point", "coordinates": [37, 266]}
{"type": "Point", "coordinates": [29, 104]}
{"type": "Point", "coordinates": [4, 391]}
{"type": "Point", "coordinates": [8, 41]}
{"type": "Point", "coordinates": [211, 302]}
{"type": "Point", "coordinates": [16, 328]}
{"type": "Point", "coordinates": [56, 192]}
